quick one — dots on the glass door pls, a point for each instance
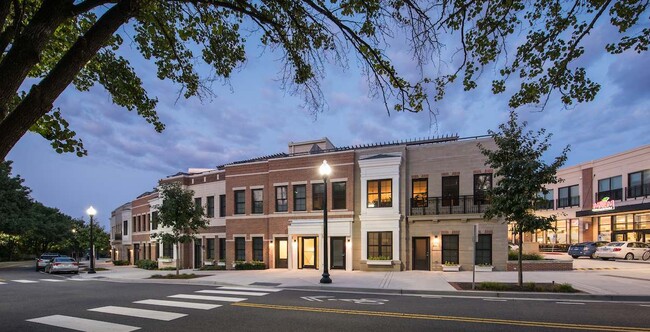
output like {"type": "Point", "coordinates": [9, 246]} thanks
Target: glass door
{"type": "Point", "coordinates": [421, 253]}
{"type": "Point", "coordinates": [197, 253]}
{"type": "Point", "coordinates": [309, 253]}
{"type": "Point", "coordinates": [338, 253]}
{"type": "Point", "coordinates": [281, 253]}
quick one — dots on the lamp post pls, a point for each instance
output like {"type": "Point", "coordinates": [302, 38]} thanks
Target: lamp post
{"type": "Point", "coordinates": [325, 171]}
{"type": "Point", "coordinates": [91, 212]}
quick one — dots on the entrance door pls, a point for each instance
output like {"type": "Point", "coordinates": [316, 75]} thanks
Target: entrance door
{"type": "Point", "coordinates": [421, 253]}
{"type": "Point", "coordinates": [338, 253]}
{"type": "Point", "coordinates": [136, 253]}
{"type": "Point", "coordinates": [197, 253]}
{"type": "Point", "coordinates": [281, 253]}
{"type": "Point", "coordinates": [309, 253]}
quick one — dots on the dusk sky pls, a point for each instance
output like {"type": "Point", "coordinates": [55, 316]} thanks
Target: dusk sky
{"type": "Point", "coordinates": [252, 116]}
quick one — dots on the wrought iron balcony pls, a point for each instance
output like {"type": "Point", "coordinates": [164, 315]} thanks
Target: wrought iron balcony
{"type": "Point", "coordinates": [614, 195]}
{"type": "Point", "coordinates": [449, 205]}
{"type": "Point", "coordinates": [547, 204]}
{"type": "Point", "coordinates": [568, 202]}
{"type": "Point", "coordinates": [642, 190]}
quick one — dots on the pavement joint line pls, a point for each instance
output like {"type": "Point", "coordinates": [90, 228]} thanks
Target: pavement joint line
{"type": "Point", "coordinates": [574, 303]}
{"type": "Point", "coordinates": [477, 320]}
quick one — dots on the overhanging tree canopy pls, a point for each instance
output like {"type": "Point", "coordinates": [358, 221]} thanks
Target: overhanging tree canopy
{"type": "Point", "coordinates": [45, 45]}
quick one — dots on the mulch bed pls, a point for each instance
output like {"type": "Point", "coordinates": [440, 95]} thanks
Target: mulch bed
{"type": "Point", "coordinates": [514, 287]}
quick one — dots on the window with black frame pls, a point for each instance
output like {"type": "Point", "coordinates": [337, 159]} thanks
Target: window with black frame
{"type": "Point", "coordinates": [222, 205]}
{"type": "Point", "coordinates": [380, 193]}
{"type": "Point", "coordinates": [482, 184]}
{"type": "Point", "coordinates": [258, 249]}
{"type": "Point", "coordinates": [450, 191]}
{"type": "Point", "coordinates": [611, 188]}
{"type": "Point", "coordinates": [450, 249]}
{"type": "Point", "coordinates": [210, 203]}
{"type": "Point", "coordinates": [317, 196]}
{"type": "Point", "coordinates": [300, 197]}
{"type": "Point", "coordinates": [222, 248]}
{"type": "Point", "coordinates": [380, 245]}
{"type": "Point", "coordinates": [210, 249]}
{"type": "Point", "coordinates": [240, 201]}
{"type": "Point", "coordinates": [568, 196]}
{"type": "Point", "coordinates": [484, 250]}
{"type": "Point", "coordinates": [197, 203]}
{"type": "Point", "coordinates": [281, 203]}
{"type": "Point", "coordinates": [240, 249]}
{"type": "Point", "coordinates": [258, 201]}
{"type": "Point", "coordinates": [638, 184]}
{"type": "Point", "coordinates": [420, 194]}
{"type": "Point", "coordinates": [339, 196]}
{"type": "Point", "coordinates": [168, 250]}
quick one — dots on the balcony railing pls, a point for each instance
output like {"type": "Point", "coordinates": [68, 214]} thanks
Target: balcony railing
{"type": "Point", "coordinates": [117, 237]}
{"type": "Point", "coordinates": [614, 195]}
{"type": "Point", "coordinates": [449, 205]}
{"type": "Point", "coordinates": [547, 204]}
{"type": "Point", "coordinates": [568, 201]}
{"type": "Point", "coordinates": [642, 190]}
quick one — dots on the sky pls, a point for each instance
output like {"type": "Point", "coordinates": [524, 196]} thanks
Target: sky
{"type": "Point", "coordinates": [252, 116]}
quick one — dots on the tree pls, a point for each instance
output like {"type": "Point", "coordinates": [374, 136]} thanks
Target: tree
{"type": "Point", "coordinates": [14, 201]}
{"type": "Point", "coordinates": [522, 175]}
{"type": "Point", "coordinates": [179, 214]}
{"type": "Point", "coordinates": [46, 45]}
{"type": "Point", "coordinates": [45, 227]}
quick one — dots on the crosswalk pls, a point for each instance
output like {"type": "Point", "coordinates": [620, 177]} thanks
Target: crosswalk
{"type": "Point", "coordinates": [35, 281]}
{"type": "Point", "coordinates": [145, 309]}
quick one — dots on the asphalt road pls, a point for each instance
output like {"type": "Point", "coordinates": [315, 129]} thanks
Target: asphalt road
{"type": "Point", "coordinates": [33, 301]}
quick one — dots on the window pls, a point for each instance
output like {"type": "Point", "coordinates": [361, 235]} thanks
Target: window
{"type": "Point", "coordinates": [380, 244]}
{"type": "Point", "coordinates": [258, 249]}
{"type": "Point", "coordinates": [300, 198]}
{"type": "Point", "coordinates": [338, 196]}
{"type": "Point", "coordinates": [134, 225]}
{"type": "Point", "coordinates": [450, 249]}
{"type": "Point", "coordinates": [450, 191]}
{"type": "Point", "coordinates": [258, 201]}
{"type": "Point", "coordinates": [317, 196]}
{"type": "Point", "coordinates": [197, 203]}
{"type": "Point", "coordinates": [210, 203]}
{"type": "Point", "coordinates": [484, 249]}
{"type": "Point", "coordinates": [380, 193]}
{"type": "Point", "coordinates": [482, 184]}
{"type": "Point", "coordinates": [240, 249]}
{"type": "Point", "coordinates": [210, 249]}
{"type": "Point", "coordinates": [638, 184]}
{"type": "Point", "coordinates": [546, 200]}
{"type": "Point", "coordinates": [139, 223]}
{"type": "Point", "coordinates": [240, 201]}
{"type": "Point", "coordinates": [281, 203]}
{"type": "Point", "coordinates": [568, 196]}
{"type": "Point", "coordinates": [154, 220]}
{"type": "Point", "coordinates": [610, 187]}
{"type": "Point", "coordinates": [168, 250]}
{"type": "Point", "coordinates": [222, 248]}
{"type": "Point", "coordinates": [125, 231]}
{"type": "Point", "coordinates": [222, 205]}
{"type": "Point", "coordinates": [420, 194]}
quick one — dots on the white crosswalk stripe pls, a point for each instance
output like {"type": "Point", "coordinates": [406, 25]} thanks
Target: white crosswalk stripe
{"type": "Point", "coordinates": [82, 324]}
{"type": "Point", "coordinates": [24, 281]}
{"type": "Point", "coordinates": [53, 280]}
{"type": "Point", "coordinates": [141, 313]}
{"type": "Point", "coordinates": [229, 292]}
{"type": "Point", "coordinates": [2, 283]}
{"type": "Point", "coordinates": [179, 304]}
{"type": "Point", "coordinates": [72, 279]}
{"type": "Point", "coordinates": [273, 290]}
{"type": "Point", "coordinates": [207, 298]}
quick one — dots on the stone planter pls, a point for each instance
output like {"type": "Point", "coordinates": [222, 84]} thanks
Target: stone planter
{"type": "Point", "coordinates": [221, 263]}
{"type": "Point", "coordinates": [165, 260]}
{"type": "Point", "coordinates": [483, 268]}
{"type": "Point", "coordinates": [380, 262]}
{"type": "Point", "coordinates": [451, 268]}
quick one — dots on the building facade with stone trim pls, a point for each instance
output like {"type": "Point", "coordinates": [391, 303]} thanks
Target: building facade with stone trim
{"type": "Point", "coordinates": [120, 236]}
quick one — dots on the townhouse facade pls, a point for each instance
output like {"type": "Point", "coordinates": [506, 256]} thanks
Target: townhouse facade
{"type": "Point", "coordinates": [410, 205]}
{"type": "Point", "coordinates": [120, 236]}
{"type": "Point", "coordinates": [607, 199]}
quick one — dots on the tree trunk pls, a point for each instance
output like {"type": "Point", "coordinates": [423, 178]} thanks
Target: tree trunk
{"type": "Point", "coordinates": [520, 273]}
{"type": "Point", "coordinates": [178, 256]}
{"type": "Point", "coordinates": [41, 97]}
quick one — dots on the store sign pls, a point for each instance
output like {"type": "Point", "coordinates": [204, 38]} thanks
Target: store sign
{"type": "Point", "coordinates": [603, 205]}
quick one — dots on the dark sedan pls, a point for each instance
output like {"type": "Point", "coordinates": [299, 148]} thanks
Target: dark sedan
{"type": "Point", "coordinates": [585, 249]}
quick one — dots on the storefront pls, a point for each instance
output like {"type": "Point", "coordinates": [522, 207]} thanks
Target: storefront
{"type": "Point", "coordinates": [623, 223]}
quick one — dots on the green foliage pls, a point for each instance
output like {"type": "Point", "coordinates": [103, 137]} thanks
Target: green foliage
{"type": "Point", "coordinates": [527, 287]}
{"type": "Point", "coordinates": [379, 258]}
{"type": "Point", "coordinates": [253, 265]}
{"type": "Point", "coordinates": [175, 276]}
{"type": "Point", "coordinates": [120, 262]}
{"type": "Point", "coordinates": [514, 255]}
{"type": "Point", "coordinates": [490, 285]}
{"type": "Point", "coordinates": [448, 263]}
{"type": "Point", "coordinates": [79, 42]}
{"type": "Point", "coordinates": [179, 214]}
{"type": "Point", "coordinates": [147, 264]}
{"type": "Point", "coordinates": [212, 267]}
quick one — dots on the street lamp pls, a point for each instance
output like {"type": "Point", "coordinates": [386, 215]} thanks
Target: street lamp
{"type": "Point", "coordinates": [91, 212]}
{"type": "Point", "coordinates": [325, 171]}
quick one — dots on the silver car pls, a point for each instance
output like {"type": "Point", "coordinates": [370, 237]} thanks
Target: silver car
{"type": "Point", "coordinates": [62, 264]}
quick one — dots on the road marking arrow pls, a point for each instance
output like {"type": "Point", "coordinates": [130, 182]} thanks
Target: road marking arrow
{"type": "Point", "coordinates": [315, 298]}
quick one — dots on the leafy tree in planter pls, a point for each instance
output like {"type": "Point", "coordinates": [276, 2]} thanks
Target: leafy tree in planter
{"type": "Point", "coordinates": [521, 174]}
{"type": "Point", "coordinates": [179, 214]}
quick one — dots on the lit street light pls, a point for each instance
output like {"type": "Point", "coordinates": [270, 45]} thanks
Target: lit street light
{"type": "Point", "coordinates": [325, 171]}
{"type": "Point", "coordinates": [91, 212]}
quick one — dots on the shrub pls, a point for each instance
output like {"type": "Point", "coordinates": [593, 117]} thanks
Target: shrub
{"type": "Point", "coordinates": [147, 264]}
{"type": "Point", "coordinates": [565, 288]}
{"type": "Point", "coordinates": [167, 268]}
{"type": "Point", "coordinates": [120, 262]}
{"type": "Point", "coordinates": [491, 286]}
{"type": "Point", "coordinates": [174, 276]}
{"type": "Point", "coordinates": [379, 258]}
{"type": "Point", "coordinates": [513, 256]}
{"type": "Point", "coordinates": [212, 267]}
{"type": "Point", "coordinates": [254, 265]}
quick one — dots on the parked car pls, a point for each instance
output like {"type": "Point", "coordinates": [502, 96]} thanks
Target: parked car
{"type": "Point", "coordinates": [45, 258]}
{"type": "Point", "coordinates": [585, 249]}
{"type": "Point", "coordinates": [62, 264]}
{"type": "Point", "coordinates": [627, 250]}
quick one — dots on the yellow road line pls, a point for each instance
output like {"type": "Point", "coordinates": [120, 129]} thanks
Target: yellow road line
{"type": "Point", "coordinates": [442, 318]}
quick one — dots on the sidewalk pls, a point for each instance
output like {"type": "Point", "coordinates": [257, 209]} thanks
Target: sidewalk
{"type": "Point", "coordinates": [628, 282]}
